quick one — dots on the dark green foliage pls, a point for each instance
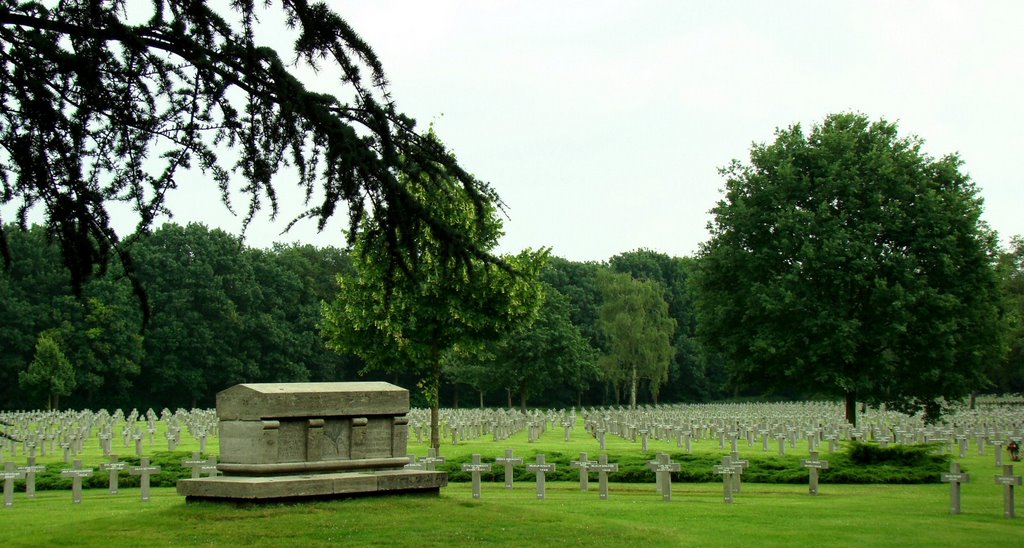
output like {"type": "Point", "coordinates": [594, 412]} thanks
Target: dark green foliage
{"type": "Point", "coordinates": [846, 262]}
{"type": "Point", "coordinates": [110, 106]}
{"type": "Point", "coordinates": [222, 313]}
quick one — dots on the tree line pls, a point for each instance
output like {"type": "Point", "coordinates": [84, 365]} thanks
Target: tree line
{"type": "Point", "coordinates": [224, 313]}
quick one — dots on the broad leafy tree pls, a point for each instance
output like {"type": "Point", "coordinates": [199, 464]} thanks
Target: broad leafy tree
{"type": "Point", "coordinates": [846, 262]}
{"type": "Point", "coordinates": [110, 102]}
{"type": "Point", "coordinates": [634, 318]}
{"type": "Point", "coordinates": [545, 354]}
{"type": "Point", "coordinates": [411, 318]}
{"type": "Point", "coordinates": [1008, 374]}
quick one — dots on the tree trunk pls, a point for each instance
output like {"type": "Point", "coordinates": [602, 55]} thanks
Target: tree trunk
{"type": "Point", "coordinates": [455, 395]}
{"type": "Point", "coordinates": [974, 400]}
{"type": "Point", "coordinates": [632, 390]}
{"type": "Point", "coordinates": [508, 393]}
{"type": "Point", "coordinates": [851, 408]}
{"type": "Point", "coordinates": [434, 395]}
{"type": "Point", "coordinates": [481, 399]}
{"type": "Point", "coordinates": [522, 398]}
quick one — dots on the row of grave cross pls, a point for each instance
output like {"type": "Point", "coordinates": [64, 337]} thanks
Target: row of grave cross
{"type": "Point", "coordinates": [731, 469]}
{"type": "Point", "coordinates": [113, 468]}
{"type": "Point", "coordinates": [26, 433]}
{"type": "Point", "coordinates": [461, 425]}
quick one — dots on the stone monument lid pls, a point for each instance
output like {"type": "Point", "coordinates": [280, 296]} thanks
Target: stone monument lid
{"type": "Point", "coordinates": [257, 401]}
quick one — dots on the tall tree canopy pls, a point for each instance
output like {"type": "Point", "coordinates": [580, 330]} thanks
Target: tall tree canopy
{"type": "Point", "coordinates": [438, 305]}
{"type": "Point", "coordinates": [107, 102]}
{"type": "Point", "coordinates": [847, 262]}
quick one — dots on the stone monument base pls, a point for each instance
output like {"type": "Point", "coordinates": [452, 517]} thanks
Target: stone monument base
{"type": "Point", "coordinates": [311, 486]}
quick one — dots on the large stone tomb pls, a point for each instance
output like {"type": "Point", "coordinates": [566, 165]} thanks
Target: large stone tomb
{"type": "Point", "coordinates": [312, 440]}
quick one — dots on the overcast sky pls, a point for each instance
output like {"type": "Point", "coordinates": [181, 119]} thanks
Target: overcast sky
{"type": "Point", "coordinates": [602, 125]}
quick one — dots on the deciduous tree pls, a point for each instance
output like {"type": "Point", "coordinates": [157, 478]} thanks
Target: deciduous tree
{"type": "Point", "coordinates": [634, 317]}
{"type": "Point", "coordinates": [847, 262]}
{"type": "Point", "coordinates": [50, 372]}
{"type": "Point", "coordinates": [434, 304]}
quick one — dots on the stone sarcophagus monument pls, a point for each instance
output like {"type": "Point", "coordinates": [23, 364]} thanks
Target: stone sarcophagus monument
{"type": "Point", "coordinates": [298, 440]}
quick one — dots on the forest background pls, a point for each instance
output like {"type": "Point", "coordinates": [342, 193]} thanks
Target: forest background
{"type": "Point", "coordinates": [225, 313]}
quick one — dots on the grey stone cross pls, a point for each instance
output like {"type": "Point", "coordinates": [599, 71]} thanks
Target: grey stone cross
{"type": "Point", "coordinates": [144, 470]}
{"type": "Point", "coordinates": [195, 463]}
{"type": "Point", "coordinates": [583, 465]}
{"type": "Point", "coordinates": [30, 476]}
{"type": "Point", "coordinates": [1008, 481]}
{"type": "Point", "coordinates": [813, 464]}
{"type": "Point", "coordinates": [113, 468]}
{"type": "Point", "coordinates": [726, 470]}
{"type": "Point", "coordinates": [663, 468]}
{"type": "Point", "coordinates": [602, 468]}
{"type": "Point", "coordinates": [431, 459]}
{"type": "Point", "coordinates": [76, 473]}
{"type": "Point", "coordinates": [475, 468]}
{"type": "Point", "coordinates": [540, 468]}
{"type": "Point", "coordinates": [508, 461]}
{"type": "Point", "coordinates": [955, 477]}
{"type": "Point", "coordinates": [9, 474]}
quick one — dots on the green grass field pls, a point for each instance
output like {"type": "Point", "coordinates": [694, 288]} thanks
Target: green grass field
{"type": "Point", "coordinates": [763, 513]}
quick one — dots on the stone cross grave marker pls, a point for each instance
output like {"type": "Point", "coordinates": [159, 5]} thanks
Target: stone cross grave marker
{"type": "Point", "coordinates": [998, 444]}
{"type": "Point", "coordinates": [663, 468]}
{"type": "Point", "coordinates": [567, 425]}
{"type": "Point", "coordinates": [726, 470]}
{"type": "Point", "coordinates": [602, 468]}
{"type": "Point", "coordinates": [210, 468]}
{"type": "Point", "coordinates": [30, 476]}
{"type": "Point", "coordinates": [955, 477]}
{"type": "Point", "coordinates": [413, 464]}
{"type": "Point", "coordinates": [195, 463]}
{"type": "Point", "coordinates": [432, 459]}
{"type": "Point", "coordinates": [508, 461]}
{"type": "Point", "coordinates": [643, 439]}
{"type": "Point", "coordinates": [9, 474]}
{"type": "Point", "coordinates": [740, 465]}
{"type": "Point", "coordinates": [813, 464]}
{"type": "Point", "coordinates": [1008, 481]}
{"type": "Point", "coordinates": [113, 468]}
{"type": "Point", "coordinates": [475, 468]}
{"type": "Point", "coordinates": [144, 471]}
{"type": "Point", "coordinates": [540, 468]}
{"type": "Point", "coordinates": [600, 438]}
{"type": "Point", "coordinates": [76, 473]}
{"type": "Point", "coordinates": [584, 466]}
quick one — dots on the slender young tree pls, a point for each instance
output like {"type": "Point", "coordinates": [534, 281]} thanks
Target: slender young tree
{"type": "Point", "coordinates": [634, 317]}
{"type": "Point", "coordinates": [49, 372]}
{"type": "Point", "coordinates": [435, 305]}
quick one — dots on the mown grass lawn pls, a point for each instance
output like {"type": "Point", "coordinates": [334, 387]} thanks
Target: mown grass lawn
{"type": "Point", "coordinates": [763, 514]}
